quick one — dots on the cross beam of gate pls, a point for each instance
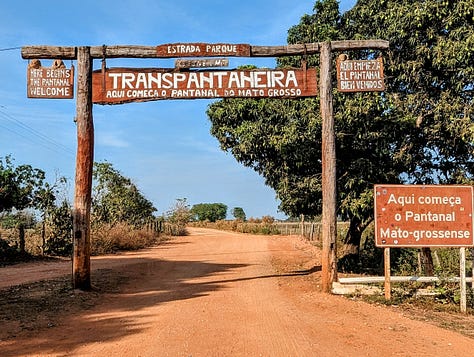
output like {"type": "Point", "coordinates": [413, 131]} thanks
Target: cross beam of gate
{"type": "Point", "coordinates": [85, 135]}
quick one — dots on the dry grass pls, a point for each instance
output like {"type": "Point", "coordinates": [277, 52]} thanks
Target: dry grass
{"type": "Point", "coordinates": [108, 238]}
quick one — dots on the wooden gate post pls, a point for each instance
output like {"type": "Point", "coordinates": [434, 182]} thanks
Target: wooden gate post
{"type": "Point", "coordinates": [84, 163]}
{"type": "Point", "coordinates": [329, 224]}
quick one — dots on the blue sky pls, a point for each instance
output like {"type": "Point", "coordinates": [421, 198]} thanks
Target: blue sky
{"type": "Point", "coordinates": [164, 146]}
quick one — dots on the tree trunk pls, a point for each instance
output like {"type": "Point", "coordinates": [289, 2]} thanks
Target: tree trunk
{"type": "Point", "coordinates": [427, 265]}
{"type": "Point", "coordinates": [21, 229]}
{"type": "Point", "coordinates": [351, 246]}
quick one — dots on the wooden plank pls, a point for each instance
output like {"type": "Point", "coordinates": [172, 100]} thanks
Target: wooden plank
{"type": "Point", "coordinates": [122, 85]}
{"type": "Point", "coordinates": [387, 273]}
{"type": "Point", "coordinates": [203, 50]}
{"type": "Point", "coordinates": [329, 231]}
{"type": "Point", "coordinates": [286, 50]}
{"type": "Point", "coordinates": [462, 276]}
{"type": "Point", "coordinates": [138, 51]}
{"type": "Point", "coordinates": [398, 279]}
{"type": "Point", "coordinates": [345, 45]}
{"type": "Point", "coordinates": [83, 183]}
{"type": "Point", "coordinates": [48, 52]}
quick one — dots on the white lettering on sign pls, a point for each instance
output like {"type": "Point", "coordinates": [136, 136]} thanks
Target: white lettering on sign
{"type": "Point", "coordinates": [44, 82]}
{"type": "Point", "coordinates": [360, 76]}
{"type": "Point", "coordinates": [123, 85]}
{"type": "Point", "coordinates": [418, 215]}
{"type": "Point", "coordinates": [180, 49]}
{"type": "Point", "coordinates": [238, 79]}
{"type": "Point", "coordinates": [424, 200]}
{"type": "Point", "coordinates": [202, 49]}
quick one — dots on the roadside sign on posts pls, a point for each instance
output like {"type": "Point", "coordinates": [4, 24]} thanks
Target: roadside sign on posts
{"type": "Point", "coordinates": [423, 216]}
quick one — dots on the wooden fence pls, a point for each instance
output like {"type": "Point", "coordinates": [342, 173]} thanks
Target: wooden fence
{"type": "Point", "coordinates": [310, 230]}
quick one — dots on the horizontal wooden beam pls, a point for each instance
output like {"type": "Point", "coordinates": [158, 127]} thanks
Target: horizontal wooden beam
{"type": "Point", "coordinates": [137, 51]}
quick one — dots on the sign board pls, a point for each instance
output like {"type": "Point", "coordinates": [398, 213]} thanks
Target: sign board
{"type": "Point", "coordinates": [360, 75]}
{"type": "Point", "coordinates": [201, 63]}
{"type": "Point", "coordinates": [122, 85]}
{"type": "Point", "coordinates": [203, 50]}
{"type": "Point", "coordinates": [423, 216]}
{"type": "Point", "coordinates": [50, 82]}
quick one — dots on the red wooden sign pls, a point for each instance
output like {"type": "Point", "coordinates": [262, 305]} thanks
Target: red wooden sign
{"type": "Point", "coordinates": [360, 75]}
{"type": "Point", "coordinates": [50, 83]}
{"type": "Point", "coordinates": [203, 49]}
{"type": "Point", "coordinates": [121, 85]}
{"type": "Point", "coordinates": [423, 216]}
{"type": "Point", "coordinates": [201, 63]}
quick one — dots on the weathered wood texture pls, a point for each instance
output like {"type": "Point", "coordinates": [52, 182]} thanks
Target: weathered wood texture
{"type": "Point", "coordinates": [83, 185]}
{"type": "Point", "coordinates": [387, 281]}
{"type": "Point", "coordinates": [329, 221]}
{"type": "Point", "coordinates": [137, 51]}
{"type": "Point", "coordinates": [122, 85]}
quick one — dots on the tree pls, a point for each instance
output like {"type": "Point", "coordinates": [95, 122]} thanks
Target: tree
{"type": "Point", "coordinates": [209, 211]}
{"type": "Point", "coordinates": [117, 199]}
{"type": "Point", "coordinates": [281, 139]}
{"type": "Point", "coordinates": [419, 131]}
{"type": "Point", "coordinates": [20, 188]}
{"type": "Point", "coordinates": [59, 241]}
{"type": "Point", "coordinates": [430, 64]}
{"type": "Point", "coordinates": [178, 217]}
{"type": "Point", "coordinates": [238, 213]}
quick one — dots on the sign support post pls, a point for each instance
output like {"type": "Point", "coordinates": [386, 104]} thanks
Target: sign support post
{"type": "Point", "coordinates": [84, 163]}
{"type": "Point", "coordinates": [425, 216]}
{"type": "Point", "coordinates": [462, 278]}
{"type": "Point", "coordinates": [329, 221]}
{"type": "Point", "coordinates": [387, 284]}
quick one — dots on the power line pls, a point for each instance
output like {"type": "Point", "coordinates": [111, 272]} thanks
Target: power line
{"type": "Point", "coordinates": [41, 139]}
{"type": "Point", "coordinates": [9, 49]}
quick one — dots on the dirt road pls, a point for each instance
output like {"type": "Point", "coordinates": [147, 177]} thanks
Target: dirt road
{"type": "Point", "coordinates": [214, 293]}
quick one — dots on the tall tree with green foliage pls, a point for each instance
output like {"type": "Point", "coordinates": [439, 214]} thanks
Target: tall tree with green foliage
{"type": "Point", "coordinates": [117, 199]}
{"type": "Point", "coordinates": [430, 71]}
{"type": "Point", "coordinates": [209, 211]}
{"type": "Point", "coordinates": [420, 130]}
{"type": "Point", "coordinates": [239, 213]}
{"type": "Point", "coordinates": [21, 187]}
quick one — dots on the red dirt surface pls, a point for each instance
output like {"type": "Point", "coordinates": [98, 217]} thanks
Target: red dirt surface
{"type": "Point", "coordinates": [211, 293]}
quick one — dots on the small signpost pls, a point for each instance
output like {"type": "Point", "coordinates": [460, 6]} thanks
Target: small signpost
{"type": "Point", "coordinates": [55, 82]}
{"type": "Point", "coordinates": [424, 216]}
{"type": "Point", "coordinates": [359, 75]}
